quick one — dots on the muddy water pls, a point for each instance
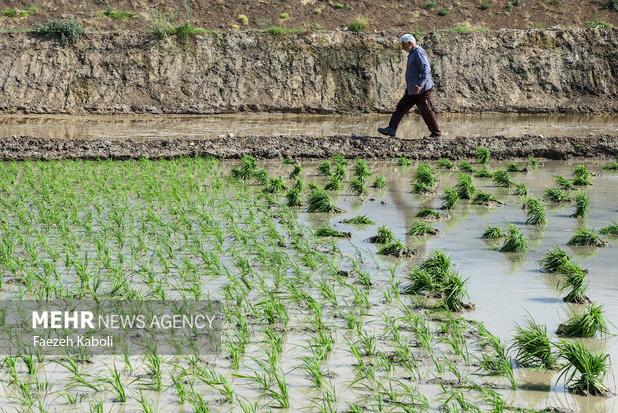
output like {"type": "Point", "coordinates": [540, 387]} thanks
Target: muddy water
{"type": "Point", "coordinates": [507, 289]}
{"type": "Point", "coordinates": [144, 126]}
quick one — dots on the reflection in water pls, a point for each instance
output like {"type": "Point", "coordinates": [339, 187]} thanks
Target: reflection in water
{"type": "Point", "coordinates": [197, 126]}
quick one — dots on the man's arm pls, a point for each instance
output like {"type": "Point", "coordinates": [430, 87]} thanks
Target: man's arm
{"type": "Point", "coordinates": [424, 71]}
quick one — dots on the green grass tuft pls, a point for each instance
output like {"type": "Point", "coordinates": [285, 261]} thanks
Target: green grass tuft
{"type": "Point", "coordinates": [379, 182]}
{"type": "Point", "coordinates": [428, 213]}
{"type": "Point", "coordinates": [464, 187]}
{"type": "Point", "coordinates": [357, 186]}
{"type": "Point", "coordinates": [403, 161]}
{"type": "Point", "coordinates": [485, 198]}
{"type": "Point", "coordinates": [611, 229]}
{"type": "Point", "coordinates": [425, 179]}
{"type": "Point", "coordinates": [358, 25]}
{"type": "Point", "coordinates": [574, 280]}
{"type": "Point", "coordinates": [384, 236]}
{"type": "Point", "coordinates": [319, 201]}
{"type": "Point", "coordinates": [324, 168]}
{"type": "Point", "coordinates": [466, 166]}
{"type": "Point", "coordinates": [564, 183]}
{"type": "Point", "coordinates": [502, 178]}
{"type": "Point", "coordinates": [445, 163]}
{"type": "Point", "coordinates": [554, 260]}
{"type": "Point", "coordinates": [556, 195]}
{"type": "Point", "coordinates": [520, 190]}
{"type": "Point", "coordinates": [582, 176]}
{"type": "Point", "coordinates": [65, 31]}
{"type": "Point", "coordinates": [116, 14]}
{"type": "Point", "coordinates": [482, 154]}
{"type": "Point", "coordinates": [396, 248]}
{"type": "Point", "coordinates": [282, 30]}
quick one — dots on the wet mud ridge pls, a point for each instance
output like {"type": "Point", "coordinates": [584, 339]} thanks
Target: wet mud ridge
{"type": "Point", "coordinates": [295, 146]}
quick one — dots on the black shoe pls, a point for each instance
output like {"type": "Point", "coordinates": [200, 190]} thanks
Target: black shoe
{"type": "Point", "coordinates": [435, 135]}
{"type": "Point", "coordinates": [388, 131]}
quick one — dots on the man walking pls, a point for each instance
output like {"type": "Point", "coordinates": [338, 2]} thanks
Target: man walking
{"type": "Point", "coordinates": [418, 89]}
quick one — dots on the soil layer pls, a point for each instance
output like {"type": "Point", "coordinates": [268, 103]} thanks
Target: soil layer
{"type": "Point", "coordinates": [26, 147]}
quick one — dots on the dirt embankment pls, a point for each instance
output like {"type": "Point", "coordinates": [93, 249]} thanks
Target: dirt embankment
{"type": "Point", "coordinates": [501, 71]}
{"type": "Point", "coordinates": [25, 147]}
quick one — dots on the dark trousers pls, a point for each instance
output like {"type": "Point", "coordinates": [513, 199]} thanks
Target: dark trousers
{"type": "Point", "coordinates": [425, 106]}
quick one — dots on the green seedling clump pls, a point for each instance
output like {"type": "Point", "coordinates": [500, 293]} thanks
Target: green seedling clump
{"type": "Point", "coordinates": [515, 241]}
{"type": "Point", "coordinates": [396, 249]}
{"type": "Point", "coordinates": [574, 280]}
{"type": "Point", "coordinates": [585, 238]}
{"type": "Point", "coordinates": [361, 169]}
{"type": "Point", "coordinates": [520, 190]}
{"type": "Point", "coordinates": [319, 201]}
{"type": "Point", "coordinates": [379, 182]}
{"type": "Point", "coordinates": [492, 233]}
{"type": "Point", "coordinates": [384, 236]}
{"type": "Point", "coordinates": [554, 260]}
{"type": "Point", "coordinates": [482, 155]}
{"type": "Point", "coordinates": [611, 229]}
{"type": "Point", "coordinates": [357, 187]}
{"type": "Point", "coordinates": [66, 31]}
{"type": "Point", "coordinates": [464, 187]}
{"type": "Point", "coordinates": [582, 176]}
{"type": "Point", "coordinates": [585, 324]}
{"type": "Point", "coordinates": [425, 179]}
{"type": "Point", "coordinates": [324, 168]}
{"type": "Point", "coordinates": [583, 371]}
{"type": "Point", "coordinates": [420, 228]}
{"type": "Point", "coordinates": [564, 183]}
{"type": "Point", "coordinates": [445, 163]}
{"type": "Point", "coordinates": [331, 232]}
{"type": "Point", "coordinates": [502, 178]}
{"type": "Point", "coordinates": [483, 173]}
{"type": "Point", "coordinates": [429, 213]}
{"type": "Point", "coordinates": [358, 220]}
{"type": "Point", "coordinates": [513, 167]}
{"type": "Point", "coordinates": [535, 212]}
{"type": "Point", "coordinates": [450, 198]}
{"type": "Point", "coordinates": [403, 161]}
{"type": "Point", "coordinates": [533, 348]}
{"type": "Point", "coordinates": [582, 205]}
{"type": "Point", "coordinates": [466, 166]}
{"type": "Point", "coordinates": [334, 183]}
{"type": "Point", "coordinates": [486, 199]}
{"type": "Point", "coordinates": [556, 195]}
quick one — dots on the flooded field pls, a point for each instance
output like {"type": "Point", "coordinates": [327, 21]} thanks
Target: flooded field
{"type": "Point", "coordinates": [195, 126]}
{"type": "Point", "coordinates": [311, 323]}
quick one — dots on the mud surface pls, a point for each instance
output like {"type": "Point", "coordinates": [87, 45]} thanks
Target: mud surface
{"type": "Point", "coordinates": [209, 126]}
{"type": "Point", "coordinates": [528, 71]}
{"type": "Point", "coordinates": [27, 147]}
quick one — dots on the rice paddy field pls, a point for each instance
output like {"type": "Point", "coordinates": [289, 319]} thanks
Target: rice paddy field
{"type": "Point", "coordinates": [346, 285]}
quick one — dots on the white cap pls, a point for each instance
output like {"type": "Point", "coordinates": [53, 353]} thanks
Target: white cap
{"type": "Point", "coordinates": [407, 38]}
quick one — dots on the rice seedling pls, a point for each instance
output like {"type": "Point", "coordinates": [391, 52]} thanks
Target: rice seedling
{"type": "Point", "coordinates": [585, 238]}
{"type": "Point", "coordinates": [361, 169]}
{"type": "Point", "coordinates": [486, 199]}
{"type": "Point", "coordinates": [294, 194]}
{"type": "Point", "coordinates": [464, 187]}
{"type": "Point", "coordinates": [482, 154]}
{"type": "Point", "coordinates": [533, 163]}
{"type": "Point", "coordinates": [520, 190]}
{"type": "Point", "coordinates": [146, 406]}
{"type": "Point", "coordinates": [611, 229]}
{"type": "Point", "coordinates": [334, 183]}
{"type": "Point", "coordinates": [502, 178]}
{"type": "Point", "coordinates": [533, 348]}
{"type": "Point", "coordinates": [450, 198]}
{"type": "Point", "coordinates": [515, 241]}
{"type": "Point", "coordinates": [581, 176]}
{"type": "Point", "coordinates": [453, 289]}
{"type": "Point", "coordinates": [296, 171]}
{"type": "Point", "coordinates": [574, 279]}
{"type": "Point", "coordinates": [454, 400]}
{"type": "Point", "coordinates": [492, 233]}
{"type": "Point", "coordinates": [403, 161]}
{"type": "Point", "coordinates": [483, 173]}
{"type": "Point", "coordinates": [424, 180]}
{"type": "Point", "coordinates": [445, 163]}
{"type": "Point", "coordinates": [494, 359]}
{"type": "Point", "coordinates": [583, 372]}
{"type": "Point", "coordinates": [358, 220]}
{"type": "Point", "coordinates": [564, 183]}
{"type": "Point", "coordinates": [246, 169]}
{"type": "Point", "coordinates": [396, 248]}
{"type": "Point", "coordinates": [611, 166]}
{"type": "Point", "coordinates": [554, 260]}
{"type": "Point", "coordinates": [331, 232]}
{"type": "Point", "coordinates": [117, 386]}
{"type": "Point", "coordinates": [587, 324]}
{"type": "Point", "coordinates": [466, 166]}
{"type": "Point", "coordinates": [556, 195]}
{"type": "Point", "coordinates": [275, 185]}
{"type": "Point", "coordinates": [535, 212]}
{"type": "Point", "coordinates": [324, 168]}
{"type": "Point", "coordinates": [513, 167]}
{"type": "Point", "coordinates": [357, 187]}
{"type": "Point", "coordinates": [318, 200]}
{"type": "Point", "coordinates": [384, 236]}
{"type": "Point", "coordinates": [582, 205]}
{"type": "Point", "coordinates": [420, 228]}
{"type": "Point", "coordinates": [339, 160]}
{"type": "Point", "coordinates": [379, 182]}
{"type": "Point", "coordinates": [429, 213]}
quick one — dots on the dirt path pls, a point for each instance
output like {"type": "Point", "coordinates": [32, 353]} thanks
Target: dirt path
{"type": "Point", "coordinates": [26, 147]}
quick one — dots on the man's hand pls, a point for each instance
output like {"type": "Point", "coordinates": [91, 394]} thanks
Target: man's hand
{"type": "Point", "coordinates": [416, 90]}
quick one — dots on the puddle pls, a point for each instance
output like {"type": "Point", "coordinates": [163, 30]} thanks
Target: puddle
{"type": "Point", "coordinates": [197, 126]}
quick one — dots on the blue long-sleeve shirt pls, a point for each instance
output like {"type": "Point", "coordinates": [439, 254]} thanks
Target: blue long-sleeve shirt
{"type": "Point", "coordinates": [418, 71]}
